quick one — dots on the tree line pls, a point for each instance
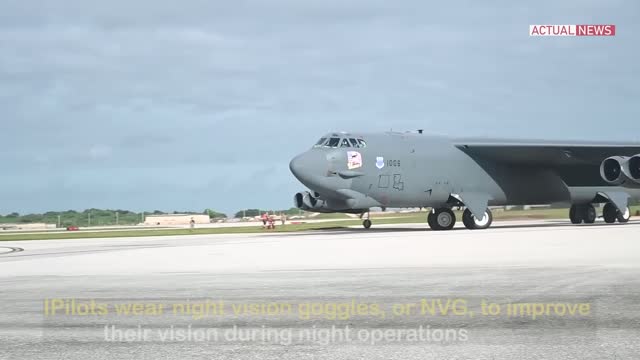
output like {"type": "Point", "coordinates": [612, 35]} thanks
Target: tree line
{"type": "Point", "coordinates": [94, 217]}
{"type": "Point", "coordinates": [102, 217]}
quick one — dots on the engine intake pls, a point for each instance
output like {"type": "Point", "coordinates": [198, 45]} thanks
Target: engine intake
{"type": "Point", "coordinates": [611, 170]}
{"type": "Point", "coordinates": [633, 168]}
{"type": "Point", "coordinates": [621, 170]}
{"type": "Point", "coordinates": [310, 202]}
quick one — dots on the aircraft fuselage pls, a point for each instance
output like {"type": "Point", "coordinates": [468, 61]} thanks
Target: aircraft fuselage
{"type": "Point", "coordinates": [419, 170]}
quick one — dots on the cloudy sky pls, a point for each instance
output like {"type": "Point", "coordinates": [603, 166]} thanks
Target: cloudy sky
{"type": "Point", "coordinates": [184, 105]}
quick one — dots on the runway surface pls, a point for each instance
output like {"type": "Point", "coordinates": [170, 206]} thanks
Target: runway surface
{"type": "Point", "coordinates": [392, 292]}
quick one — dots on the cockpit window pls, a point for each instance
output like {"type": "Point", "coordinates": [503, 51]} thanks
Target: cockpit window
{"type": "Point", "coordinates": [337, 141]}
{"type": "Point", "coordinates": [321, 141]}
{"type": "Point", "coordinates": [333, 142]}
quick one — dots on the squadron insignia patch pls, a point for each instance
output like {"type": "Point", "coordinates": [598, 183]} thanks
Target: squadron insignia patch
{"type": "Point", "coordinates": [354, 160]}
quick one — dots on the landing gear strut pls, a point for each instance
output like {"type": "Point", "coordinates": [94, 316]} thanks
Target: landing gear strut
{"type": "Point", "coordinates": [441, 219]}
{"type": "Point", "coordinates": [366, 223]}
{"type": "Point", "coordinates": [582, 212]}
{"type": "Point", "coordinates": [473, 223]}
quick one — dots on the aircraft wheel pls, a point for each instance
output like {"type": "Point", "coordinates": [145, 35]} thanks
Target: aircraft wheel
{"type": "Point", "coordinates": [624, 217]}
{"type": "Point", "coordinates": [609, 213]}
{"type": "Point", "coordinates": [575, 214]}
{"type": "Point", "coordinates": [431, 220]}
{"type": "Point", "coordinates": [366, 224]}
{"type": "Point", "coordinates": [589, 214]}
{"type": "Point", "coordinates": [472, 223]}
{"type": "Point", "coordinates": [442, 219]}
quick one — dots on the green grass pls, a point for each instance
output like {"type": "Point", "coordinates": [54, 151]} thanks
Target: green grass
{"type": "Point", "coordinates": [85, 234]}
{"type": "Point", "coordinates": [378, 219]}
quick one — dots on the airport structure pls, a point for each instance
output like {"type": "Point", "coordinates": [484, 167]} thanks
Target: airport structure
{"type": "Point", "coordinates": [176, 219]}
{"type": "Point", "coordinates": [29, 226]}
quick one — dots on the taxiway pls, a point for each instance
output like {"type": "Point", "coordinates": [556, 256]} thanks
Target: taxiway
{"type": "Point", "coordinates": [513, 262]}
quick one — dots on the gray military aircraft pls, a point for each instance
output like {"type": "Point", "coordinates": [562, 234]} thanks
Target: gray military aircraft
{"type": "Point", "coordinates": [351, 173]}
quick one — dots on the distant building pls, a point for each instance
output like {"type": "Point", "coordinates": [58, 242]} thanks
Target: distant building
{"type": "Point", "coordinates": [29, 226]}
{"type": "Point", "coordinates": [175, 219]}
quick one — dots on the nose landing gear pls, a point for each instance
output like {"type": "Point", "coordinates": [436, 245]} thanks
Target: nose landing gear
{"type": "Point", "coordinates": [366, 223]}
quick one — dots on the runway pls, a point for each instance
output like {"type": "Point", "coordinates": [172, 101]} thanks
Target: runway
{"type": "Point", "coordinates": [390, 292]}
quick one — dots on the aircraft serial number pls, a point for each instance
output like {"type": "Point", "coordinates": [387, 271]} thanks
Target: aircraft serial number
{"type": "Point", "coordinates": [393, 163]}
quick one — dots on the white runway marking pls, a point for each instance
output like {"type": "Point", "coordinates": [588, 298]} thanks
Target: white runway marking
{"type": "Point", "coordinates": [9, 250]}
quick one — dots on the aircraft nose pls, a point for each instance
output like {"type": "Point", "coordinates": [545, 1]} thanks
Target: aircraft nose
{"type": "Point", "coordinates": [308, 166]}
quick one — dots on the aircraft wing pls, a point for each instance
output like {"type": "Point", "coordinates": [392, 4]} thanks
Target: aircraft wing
{"type": "Point", "coordinates": [577, 163]}
{"type": "Point", "coordinates": [545, 153]}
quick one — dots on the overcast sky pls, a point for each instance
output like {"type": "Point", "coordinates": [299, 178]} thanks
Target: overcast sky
{"type": "Point", "coordinates": [184, 105]}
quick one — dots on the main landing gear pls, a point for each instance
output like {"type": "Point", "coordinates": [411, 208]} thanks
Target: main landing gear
{"type": "Point", "coordinates": [445, 219]}
{"type": "Point", "coordinates": [610, 214]}
{"type": "Point", "coordinates": [583, 212]}
{"type": "Point", "coordinates": [473, 223]}
{"type": "Point", "coordinates": [441, 219]}
{"type": "Point", "coordinates": [587, 213]}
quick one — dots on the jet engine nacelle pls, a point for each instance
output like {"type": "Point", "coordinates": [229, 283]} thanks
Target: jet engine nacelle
{"type": "Point", "coordinates": [310, 202]}
{"type": "Point", "coordinates": [611, 170]}
{"type": "Point", "coordinates": [632, 168]}
{"type": "Point", "coordinates": [621, 171]}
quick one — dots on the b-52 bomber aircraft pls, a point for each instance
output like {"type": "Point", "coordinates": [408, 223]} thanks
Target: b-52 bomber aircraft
{"type": "Point", "coordinates": [351, 173]}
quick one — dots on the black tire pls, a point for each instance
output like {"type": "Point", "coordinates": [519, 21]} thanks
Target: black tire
{"type": "Point", "coordinates": [445, 219]}
{"type": "Point", "coordinates": [575, 214]}
{"type": "Point", "coordinates": [623, 217]}
{"type": "Point", "coordinates": [609, 213]}
{"type": "Point", "coordinates": [467, 221]}
{"type": "Point", "coordinates": [471, 223]}
{"type": "Point", "coordinates": [366, 223]}
{"type": "Point", "coordinates": [431, 220]}
{"type": "Point", "coordinates": [590, 214]}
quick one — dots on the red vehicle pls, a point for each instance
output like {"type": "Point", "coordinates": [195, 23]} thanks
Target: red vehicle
{"type": "Point", "coordinates": [72, 228]}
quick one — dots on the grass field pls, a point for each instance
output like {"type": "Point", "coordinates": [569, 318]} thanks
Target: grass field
{"type": "Point", "coordinates": [340, 222]}
{"type": "Point", "coordinates": [84, 234]}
